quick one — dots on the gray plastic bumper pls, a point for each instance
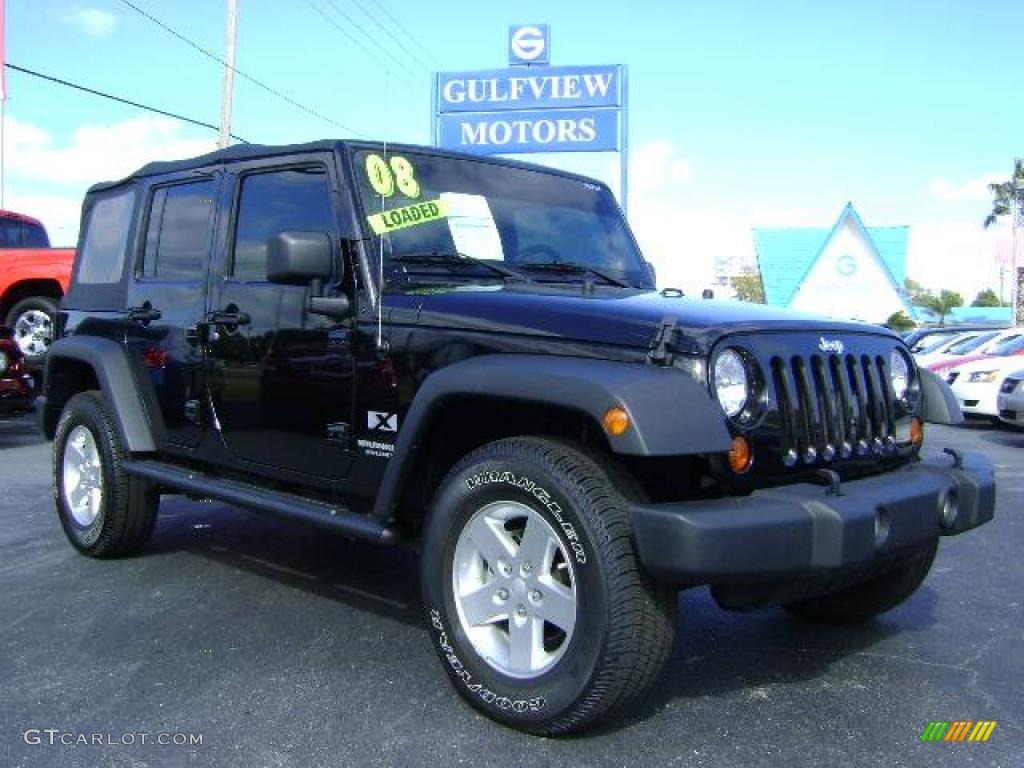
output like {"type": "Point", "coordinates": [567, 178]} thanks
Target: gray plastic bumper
{"type": "Point", "coordinates": [803, 530]}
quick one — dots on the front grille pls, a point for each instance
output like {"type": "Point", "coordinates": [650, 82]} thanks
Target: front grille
{"type": "Point", "coordinates": [1009, 385]}
{"type": "Point", "coordinates": [834, 406]}
{"type": "Point", "coordinates": [1005, 414]}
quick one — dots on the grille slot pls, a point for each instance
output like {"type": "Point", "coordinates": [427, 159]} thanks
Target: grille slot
{"type": "Point", "coordinates": [833, 406]}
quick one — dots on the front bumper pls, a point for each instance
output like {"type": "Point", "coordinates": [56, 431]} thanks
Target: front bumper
{"type": "Point", "coordinates": [1011, 407]}
{"type": "Point", "coordinates": [977, 398]}
{"type": "Point", "coordinates": [16, 396]}
{"type": "Point", "coordinates": [802, 530]}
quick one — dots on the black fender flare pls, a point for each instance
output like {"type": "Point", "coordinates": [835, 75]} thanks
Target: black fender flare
{"type": "Point", "coordinates": [128, 395]}
{"type": "Point", "coordinates": [670, 412]}
{"type": "Point", "coordinates": [940, 404]}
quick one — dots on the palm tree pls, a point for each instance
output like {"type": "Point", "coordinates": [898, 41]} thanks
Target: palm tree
{"type": "Point", "coordinates": [1008, 200]}
{"type": "Point", "coordinates": [1007, 195]}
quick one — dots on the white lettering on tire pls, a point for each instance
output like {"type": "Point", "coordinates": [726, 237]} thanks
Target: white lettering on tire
{"type": "Point", "coordinates": [542, 495]}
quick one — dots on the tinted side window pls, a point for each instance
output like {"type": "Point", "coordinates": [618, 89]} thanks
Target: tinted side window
{"type": "Point", "coordinates": [101, 259]}
{"type": "Point", "coordinates": [10, 234]}
{"type": "Point", "coordinates": [296, 199]}
{"type": "Point", "coordinates": [34, 236]}
{"type": "Point", "coordinates": [178, 235]}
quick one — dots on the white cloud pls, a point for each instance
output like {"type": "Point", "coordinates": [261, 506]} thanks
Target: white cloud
{"type": "Point", "coordinates": [960, 255]}
{"type": "Point", "coordinates": [47, 178]}
{"type": "Point", "coordinates": [94, 22]}
{"type": "Point", "coordinates": [97, 152]}
{"type": "Point", "coordinates": [973, 189]}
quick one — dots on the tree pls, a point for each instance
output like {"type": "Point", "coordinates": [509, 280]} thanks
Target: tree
{"type": "Point", "coordinates": [1008, 200]}
{"type": "Point", "coordinates": [899, 321]}
{"type": "Point", "coordinates": [915, 290]}
{"type": "Point", "coordinates": [942, 304]}
{"type": "Point", "coordinates": [749, 287]}
{"type": "Point", "coordinates": [986, 298]}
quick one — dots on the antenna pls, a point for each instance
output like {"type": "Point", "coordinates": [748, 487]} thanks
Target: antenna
{"type": "Point", "coordinates": [380, 239]}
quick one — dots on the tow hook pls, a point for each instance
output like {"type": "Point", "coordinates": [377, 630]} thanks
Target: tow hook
{"type": "Point", "coordinates": [831, 478]}
{"type": "Point", "coordinates": [958, 459]}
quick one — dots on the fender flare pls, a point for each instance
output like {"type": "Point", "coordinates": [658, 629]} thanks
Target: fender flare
{"type": "Point", "coordinates": [940, 404]}
{"type": "Point", "coordinates": [137, 416]}
{"type": "Point", "coordinates": [670, 412]}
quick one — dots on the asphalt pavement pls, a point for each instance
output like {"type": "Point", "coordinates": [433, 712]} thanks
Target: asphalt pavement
{"type": "Point", "coordinates": [279, 645]}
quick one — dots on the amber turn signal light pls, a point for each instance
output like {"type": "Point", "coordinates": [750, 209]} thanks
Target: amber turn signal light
{"type": "Point", "coordinates": [740, 455]}
{"type": "Point", "coordinates": [616, 421]}
{"type": "Point", "coordinates": [916, 432]}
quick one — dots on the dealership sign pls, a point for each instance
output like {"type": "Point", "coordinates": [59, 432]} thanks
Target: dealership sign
{"type": "Point", "coordinates": [535, 109]}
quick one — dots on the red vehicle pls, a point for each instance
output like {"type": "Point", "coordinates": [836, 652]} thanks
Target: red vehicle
{"type": "Point", "coordinates": [33, 278]}
{"type": "Point", "coordinates": [17, 390]}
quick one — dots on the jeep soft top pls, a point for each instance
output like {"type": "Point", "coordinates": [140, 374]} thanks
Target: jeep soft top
{"type": "Point", "coordinates": [469, 356]}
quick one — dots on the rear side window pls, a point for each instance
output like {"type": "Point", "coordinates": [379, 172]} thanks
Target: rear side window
{"type": "Point", "coordinates": [22, 234]}
{"type": "Point", "coordinates": [179, 231]}
{"type": "Point", "coordinates": [101, 259]}
{"type": "Point", "coordinates": [292, 199]}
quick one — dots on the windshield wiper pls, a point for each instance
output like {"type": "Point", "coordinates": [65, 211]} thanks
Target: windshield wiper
{"type": "Point", "coordinates": [455, 259]}
{"type": "Point", "coordinates": [572, 268]}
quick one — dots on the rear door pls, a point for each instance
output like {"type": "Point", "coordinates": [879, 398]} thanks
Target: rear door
{"type": "Point", "coordinates": [166, 298]}
{"type": "Point", "coordinates": [280, 379]}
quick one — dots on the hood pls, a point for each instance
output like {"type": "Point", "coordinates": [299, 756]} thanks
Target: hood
{"type": "Point", "coordinates": [605, 316]}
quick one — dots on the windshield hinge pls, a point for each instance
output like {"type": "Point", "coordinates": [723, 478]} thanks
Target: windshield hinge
{"type": "Point", "coordinates": [662, 348]}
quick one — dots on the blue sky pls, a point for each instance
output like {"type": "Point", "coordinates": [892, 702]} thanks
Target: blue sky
{"type": "Point", "coordinates": [742, 113]}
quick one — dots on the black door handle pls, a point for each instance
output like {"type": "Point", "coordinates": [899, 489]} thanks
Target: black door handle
{"type": "Point", "coordinates": [144, 314]}
{"type": "Point", "coordinates": [224, 317]}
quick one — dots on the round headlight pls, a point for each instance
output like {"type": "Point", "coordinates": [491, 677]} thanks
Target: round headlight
{"type": "Point", "coordinates": [732, 385]}
{"type": "Point", "coordinates": [899, 374]}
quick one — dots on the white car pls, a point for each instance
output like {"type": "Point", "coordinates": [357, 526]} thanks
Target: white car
{"type": "Point", "coordinates": [1011, 399]}
{"type": "Point", "coordinates": [976, 384]}
{"type": "Point", "coordinates": [969, 344]}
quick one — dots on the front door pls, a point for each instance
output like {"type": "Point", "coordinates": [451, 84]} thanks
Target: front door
{"type": "Point", "coordinates": [280, 378]}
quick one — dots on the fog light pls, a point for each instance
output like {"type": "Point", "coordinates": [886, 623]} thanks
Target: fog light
{"type": "Point", "coordinates": [916, 432]}
{"type": "Point", "coordinates": [949, 509]}
{"type": "Point", "coordinates": [616, 421]}
{"type": "Point", "coordinates": [740, 455]}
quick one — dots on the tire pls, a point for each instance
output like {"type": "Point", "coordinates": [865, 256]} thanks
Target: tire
{"type": "Point", "coordinates": [592, 629]}
{"type": "Point", "coordinates": [113, 514]}
{"type": "Point", "coordinates": [864, 601]}
{"type": "Point", "coordinates": [31, 322]}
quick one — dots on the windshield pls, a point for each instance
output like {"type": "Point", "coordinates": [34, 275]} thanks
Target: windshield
{"type": "Point", "coordinates": [420, 204]}
{"type": "Point", "coordinates": [970, 343]}
{"type": "Point", "coordinates": [1009, 347]}
{"type": "Point", "coordinates": [932, 341]}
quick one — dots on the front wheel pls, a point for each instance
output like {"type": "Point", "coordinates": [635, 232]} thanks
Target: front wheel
{"type": "Point", "coordinates": [535, 599]}
{"type": "Point", "coordinates": [864, 601]}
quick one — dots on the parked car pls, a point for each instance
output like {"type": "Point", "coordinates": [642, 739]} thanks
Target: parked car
{"type": "Point", "coordinates": [17, 387]}
{"type": "Point", "coordinates": [922, 339]}
{"type": "Point", "coordinates": [33, 278]}
{"type": "Point", "coordinates": [965, 350]}
{"type": "Point", "coordinates": [976, 384]}
{"type": "Point", "coordinates": [1011, 399]}
{"type": "Point", "coordinates": [1008, 347]}
{"type": "Point", "coordinates": [468, 356]}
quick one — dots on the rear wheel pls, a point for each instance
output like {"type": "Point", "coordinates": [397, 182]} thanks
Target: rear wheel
{"type": "Point", "coordinates": [31, 321]}
{"type": "Point", "coordinates": [864, 601]}
{"type": "Point", "coordinates": [534, 596]}
{"type": "Point", "coordinates": [104, 511]}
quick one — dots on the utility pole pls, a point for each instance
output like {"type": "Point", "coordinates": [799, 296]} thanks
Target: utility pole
{"type": "Point", "coordinates": [229, 76]}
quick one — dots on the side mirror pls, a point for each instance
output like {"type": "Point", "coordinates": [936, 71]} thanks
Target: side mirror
{"type": "Point", "coordinates": [299, 258]}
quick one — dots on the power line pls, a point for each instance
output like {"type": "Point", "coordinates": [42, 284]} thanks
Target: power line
{"type": "Point", "coordinates": [240, 73]}
{"type": "Point", "coordinates": [419, 60]}
{"type": "Point", "coordinates": [110, 96]}
{"type": "Point", "coordinates": [407, 33]}
{"type": "Point", "coordinates": [363, 46]}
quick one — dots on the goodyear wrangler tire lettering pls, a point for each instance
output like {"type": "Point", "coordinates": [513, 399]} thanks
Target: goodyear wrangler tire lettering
{"type": "Point", "coordinates": [620, 623]}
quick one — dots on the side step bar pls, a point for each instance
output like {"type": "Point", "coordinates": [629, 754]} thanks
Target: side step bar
{"type": "Point", "coordinates": [331, 516]}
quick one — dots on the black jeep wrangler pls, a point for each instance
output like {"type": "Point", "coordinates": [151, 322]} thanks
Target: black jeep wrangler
{"type": "Point", "coordinates": [470, 357]}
